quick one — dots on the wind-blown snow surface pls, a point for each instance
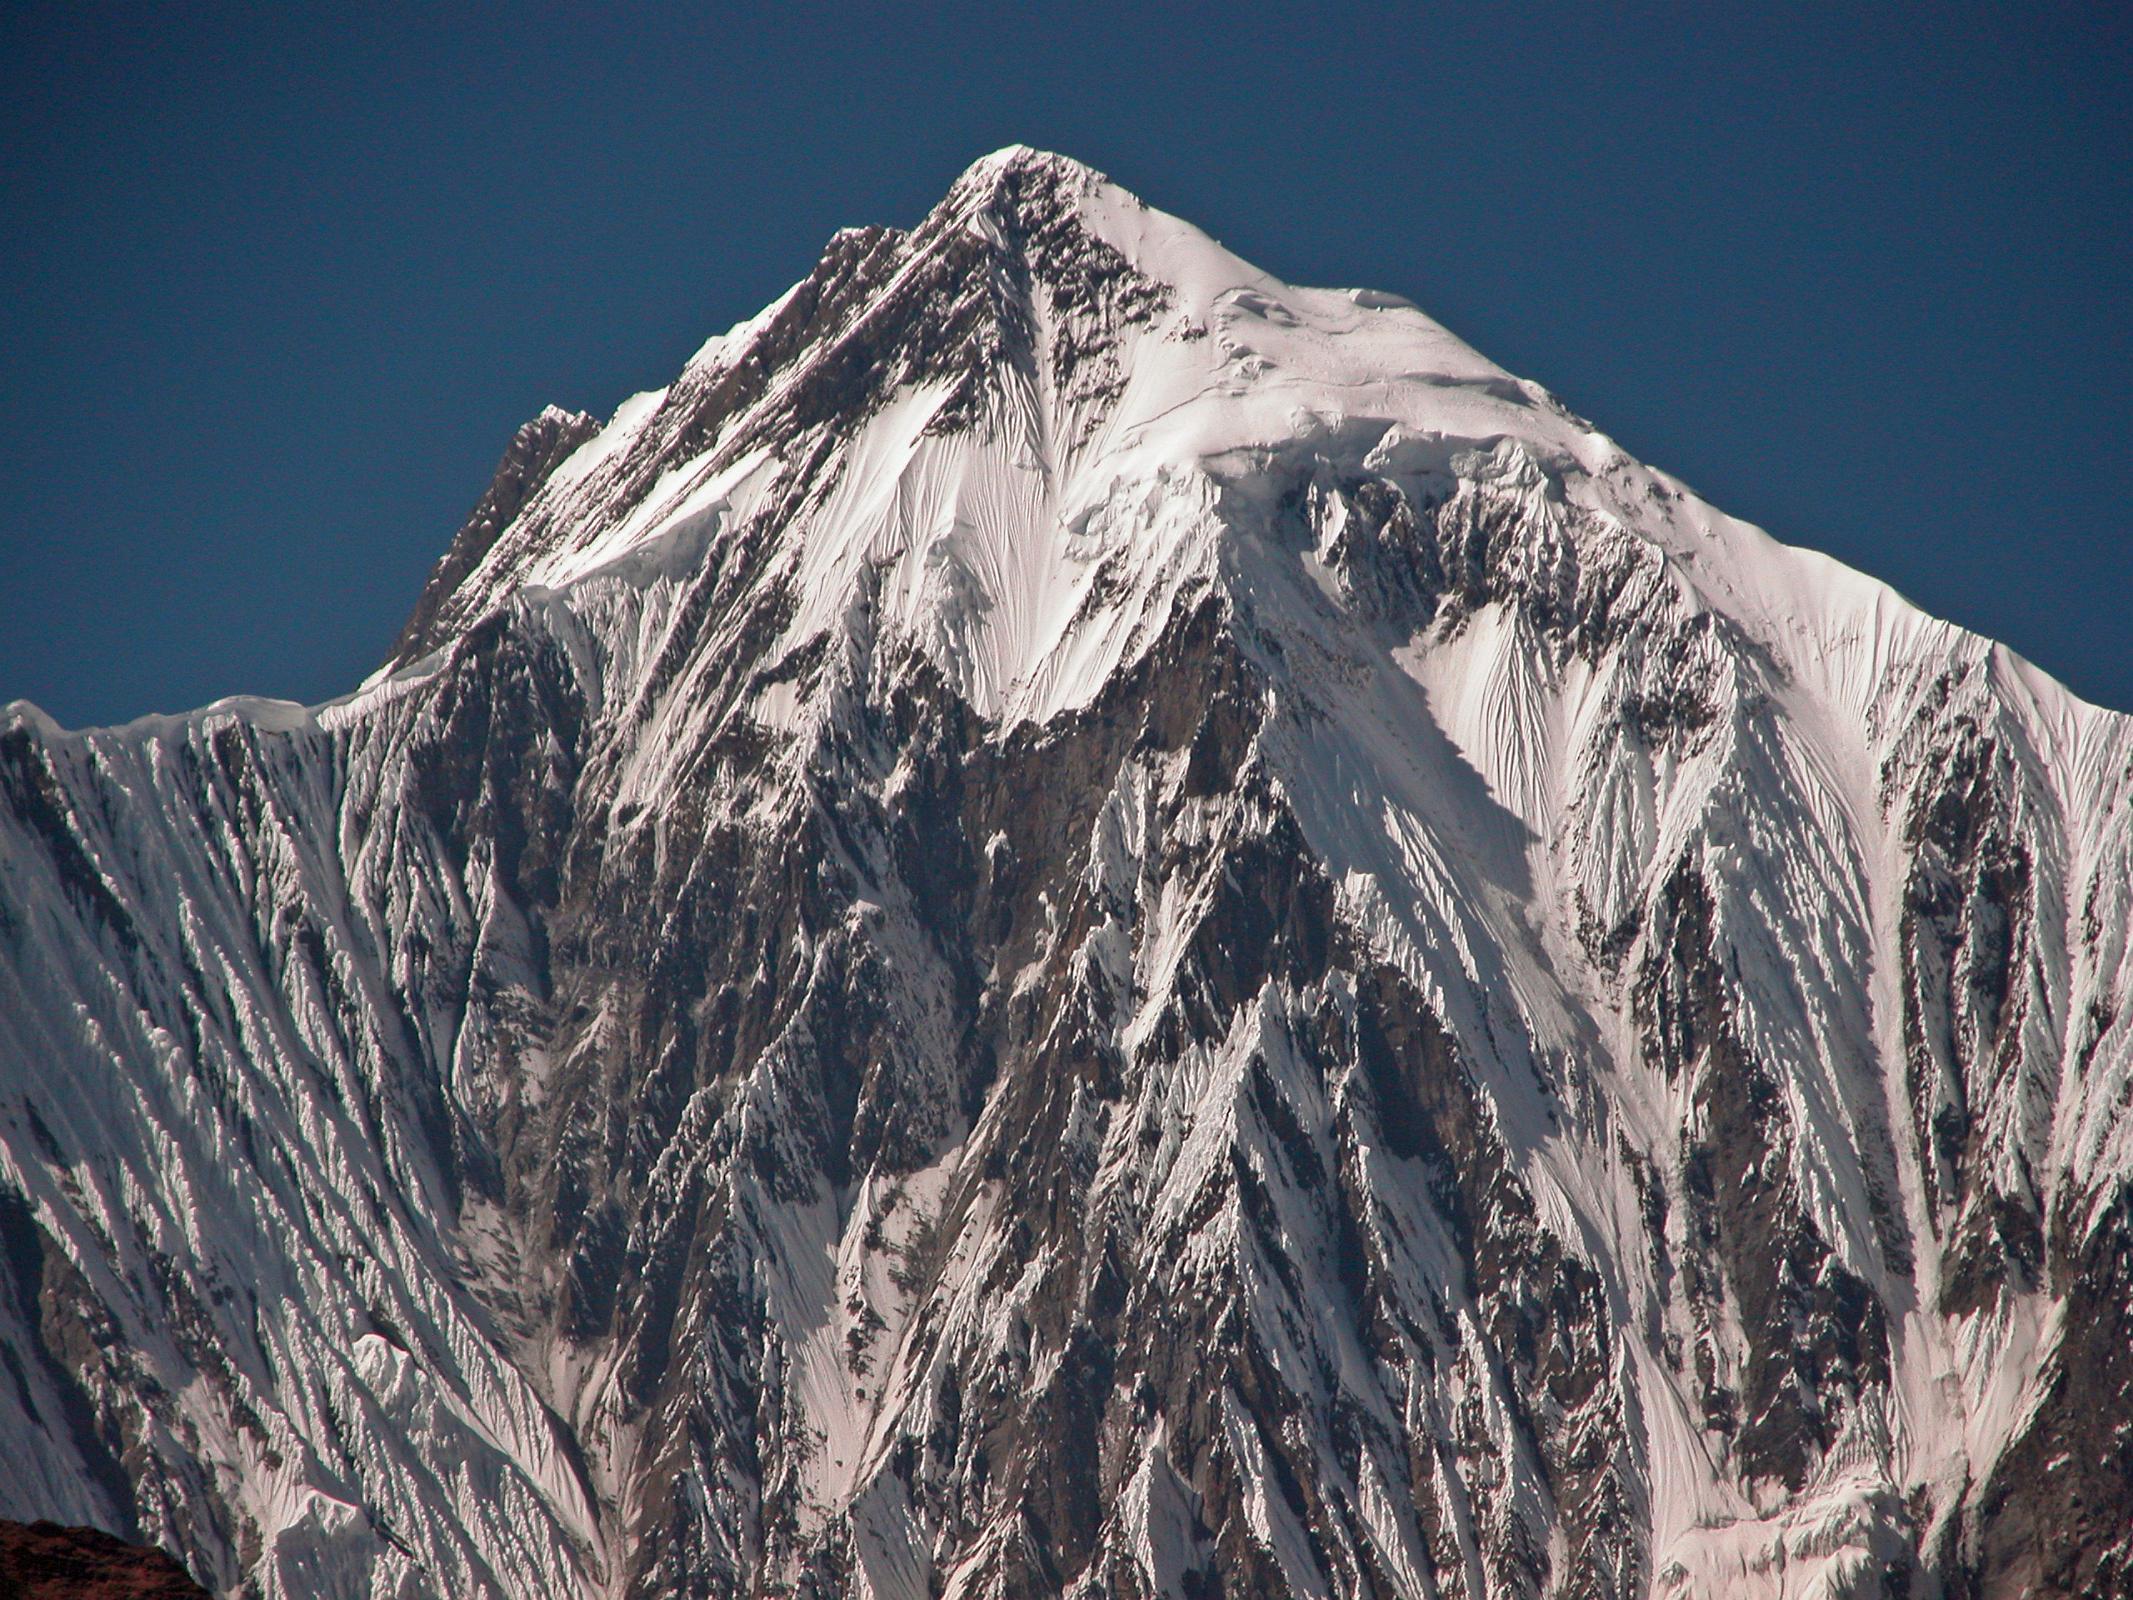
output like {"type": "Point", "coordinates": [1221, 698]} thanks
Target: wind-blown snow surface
{"type": "Point", "coordinates": [1077, 922]}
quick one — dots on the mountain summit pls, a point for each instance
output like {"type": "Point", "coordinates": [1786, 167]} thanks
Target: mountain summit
{"type": "Point", "coordinates": [1077, 923]}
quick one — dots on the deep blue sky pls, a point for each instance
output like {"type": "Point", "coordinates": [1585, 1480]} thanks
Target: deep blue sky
{"type": "Point", "coordinates": [275, 289]}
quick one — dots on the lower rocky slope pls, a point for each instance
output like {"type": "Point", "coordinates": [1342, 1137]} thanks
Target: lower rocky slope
{"type": "Point", "coordinates": [43, 1561]}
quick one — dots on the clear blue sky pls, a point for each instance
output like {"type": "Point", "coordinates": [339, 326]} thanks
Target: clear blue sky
{"type": "Point", "coordinates": [276, 288]}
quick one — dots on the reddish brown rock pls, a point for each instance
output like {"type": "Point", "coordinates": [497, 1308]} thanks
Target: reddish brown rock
{"type": "Point", "coordinates": [44, 1561]}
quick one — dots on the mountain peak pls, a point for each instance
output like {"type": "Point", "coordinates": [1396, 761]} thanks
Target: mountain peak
{"type": "Point", "coordinates": [1076, 922]}
{"type": "Point", "coordinates": [1071, 338]}
{"type": "Point", "coordinates": [1016, 268]}
{"type": "Point", "coordinates": [1024, 159]}
{"type": "Point", "coordinates": [1021, 189]}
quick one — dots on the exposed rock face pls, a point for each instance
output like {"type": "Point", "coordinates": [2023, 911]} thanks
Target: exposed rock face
{"type": "Point", "coordinates": [43, 1561]}
{"type": "Point", "coordinates": [538, 448]}
{"type": "Point", "coordinates": [1075, 923]}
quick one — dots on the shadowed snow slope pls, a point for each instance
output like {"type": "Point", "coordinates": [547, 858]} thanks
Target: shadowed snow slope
{"type": "Point", "coordinates": [1074, 922]}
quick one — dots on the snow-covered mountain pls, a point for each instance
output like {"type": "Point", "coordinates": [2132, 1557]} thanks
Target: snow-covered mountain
{"type": "Point", "coordinates": [1078, 923]}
